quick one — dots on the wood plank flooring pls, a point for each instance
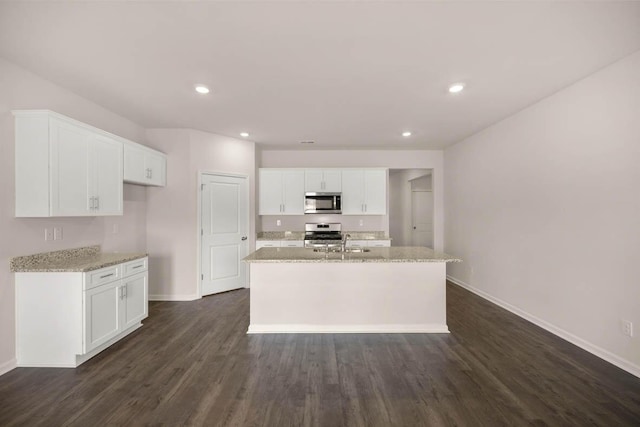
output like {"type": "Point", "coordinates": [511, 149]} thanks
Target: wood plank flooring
{"type": "Point", "coordinates": [193, 364]}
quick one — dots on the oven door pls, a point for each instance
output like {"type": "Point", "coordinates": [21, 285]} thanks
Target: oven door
{"type": "Point", "coordinates": [322, 203]}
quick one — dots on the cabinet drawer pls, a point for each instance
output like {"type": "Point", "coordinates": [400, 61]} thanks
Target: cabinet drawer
{"type": "Point", "coordinates": [104, 275]}
{"type": "Point", "coordinates": [292, 244]}
{"type": "Point", "coordinates": [379, 243]}
{"type": "Point", "coordinates": [267, 244]}
{"type": "Point", "coordinates": [134, 267]}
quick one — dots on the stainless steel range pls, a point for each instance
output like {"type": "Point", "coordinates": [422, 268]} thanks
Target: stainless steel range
{"type": "Point", "coordinates": [320, 235]}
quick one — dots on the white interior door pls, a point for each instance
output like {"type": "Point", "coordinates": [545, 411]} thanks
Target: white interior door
{"type": "Point", "coordinates": [224, 241]}
{"type": "Point", "coordinates": [422, 218]}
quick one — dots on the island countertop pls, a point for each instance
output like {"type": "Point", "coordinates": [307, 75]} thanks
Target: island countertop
{"type": "Point", "coordinates": [380, 255]}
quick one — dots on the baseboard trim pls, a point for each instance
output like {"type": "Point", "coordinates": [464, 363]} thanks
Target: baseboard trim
{"type": "Point", "coordinates": [7, 366]}
{"type": "Point", "coordinates": [348, 329]}
{"type": "Point", "coordinates": [165, 297]}
{"type": "Point", "coordinates": [606, 355]}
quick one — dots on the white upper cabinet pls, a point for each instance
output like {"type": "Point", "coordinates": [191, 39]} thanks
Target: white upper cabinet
{"type": "Point", "coordinates": [65, 168]}
{"type": "Point", "coordinates": [323, 180]}
{"type": "Point", "coordinates": [281, 192]}
{"type": "Point", "coordinates": [143, 165]}
{"type": "Point", "coordinates": [364, 192]}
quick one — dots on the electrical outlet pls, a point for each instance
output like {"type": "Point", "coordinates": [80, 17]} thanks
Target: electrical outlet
{"type": "Point", "coordinates": [627, 328]}
{"type": "Point", "coordinates": [115, 229]}
{"type": "Point", "coordinates": [48, 234]}
{"type": "Point", "coordinates": [57, 233]}
{"type": "Point", "coordinates": [278, 222]}
{"type": "Point", "coordinates": [361, 222]}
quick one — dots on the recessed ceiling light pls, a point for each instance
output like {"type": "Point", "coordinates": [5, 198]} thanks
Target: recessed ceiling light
{"type": "Point", "coordinates": [202, 89]}
{"type": "Point", "coordinates": [406, 134]}
{"type": "Point", "coordinates": [456, 87]}
{"type": "Point", "coordinates": [244, 134]}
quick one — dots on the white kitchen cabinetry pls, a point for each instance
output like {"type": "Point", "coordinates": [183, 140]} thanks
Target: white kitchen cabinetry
{"type": "Point", "coordinates": [369, 243]}
{"type": "Point", "coordinates": [323, 180]}
{"type": "Point", "coordinates": [65, 168]}
{"type": "Point", "coordinates": [143, 165]}
{"type": "Point", "coordinates": [281, 192]}
{"type": "Point", "coordinates": [292, 244]}
{"type": "Point", "coordinates": [279, 244]}
{"type": "Point", "coordinates": [267, 244]}
{"type": "Point", "coordinates": [364, 191]}
{"type": "Point", "coordinates": [63, 319]}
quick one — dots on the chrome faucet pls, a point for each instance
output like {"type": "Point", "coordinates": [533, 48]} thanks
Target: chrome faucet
{"type": "Point", "coordinates": [345, 237]}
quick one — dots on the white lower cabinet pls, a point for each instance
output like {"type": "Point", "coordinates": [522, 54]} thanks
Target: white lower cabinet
{"type": "Point", "coordinates": [267, 244]}
{"type": "Point", "coordinates": [102, 314]}
{"type": "Point", "coordinates": [64, 319]}
{"type": "Point", "coordinates": [279, 244]}
{"type": "Point", "coordinates": [369, 243]}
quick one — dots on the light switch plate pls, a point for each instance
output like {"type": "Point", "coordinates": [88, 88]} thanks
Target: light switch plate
{"type": "Point", "coordinates": [57, 233]}
{"type": "Point", "coordinates": [48, 234]}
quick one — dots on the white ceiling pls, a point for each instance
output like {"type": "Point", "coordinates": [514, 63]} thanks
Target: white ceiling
{"type": "Point", "coordinates": [344, 74]}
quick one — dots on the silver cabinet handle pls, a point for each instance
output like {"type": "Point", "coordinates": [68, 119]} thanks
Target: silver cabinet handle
{"type": "Point", "coordinates": [106, 275]}
{"type": "Point", "coordinates": [150, 173]}
{"type": "Point", "coordinates": [124, 291]}
{"type": "Point", "coordinates": [137, 266]}
{"type": "Point", "coordinates": [244, 238]}
{"type": "Point", "coordinates": [97, 199]}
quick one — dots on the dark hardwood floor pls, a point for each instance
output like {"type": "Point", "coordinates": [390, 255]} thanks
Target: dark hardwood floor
{"type": "Point", "coordinates": [193, 364]}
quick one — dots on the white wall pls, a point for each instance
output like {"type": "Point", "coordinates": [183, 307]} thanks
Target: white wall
{"type": "Point", "coordinates": [20, 89]}
{"type": "Point", "coordinates": [544, 208]}
{"type": "Point", "coordinates": [392, 159]}
{"type": "Point", "coordinates": [172, 212]}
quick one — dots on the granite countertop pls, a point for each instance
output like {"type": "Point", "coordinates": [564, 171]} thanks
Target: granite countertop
{"type": "Point", "coordinates": [70, 260]}
{"type": "Point", "coordinates": [392, 254]}
{"type": "Point", "coordinates": [299, 235]}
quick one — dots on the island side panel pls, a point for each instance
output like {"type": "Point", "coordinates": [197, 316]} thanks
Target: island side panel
{"type": "Point", "coordinates": [348, 297]}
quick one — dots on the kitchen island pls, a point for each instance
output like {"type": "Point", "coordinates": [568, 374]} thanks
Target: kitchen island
{"type": "Point", "coordinates": [382, 290]}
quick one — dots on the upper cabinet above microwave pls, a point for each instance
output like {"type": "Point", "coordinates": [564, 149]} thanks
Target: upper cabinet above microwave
{"type": "Point", "coordinates": [323, 180]}
{"type": "Point", "coordinates": [145, 166]}
{"type": "Point", "coordinates": [65, 168]}
{"type": "Point", "coordinates": [362, 191]}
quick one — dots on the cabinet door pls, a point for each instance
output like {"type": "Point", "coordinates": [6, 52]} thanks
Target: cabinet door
{"type": "Point", "coordinates": [107, 165]}
{"type": "Point", "coordinates": [313, 180]}
{"type": "Point", "coordinates": [102, 314]}
{"type": "Point", "coordinates": [70, 168]}
{"type": "Point", "coordinates": [375, 192]}
{"type": "Point", "coordinates": [270, 196]}
{"type": "Point", "coordinates": [134, 289]}
{"type": "Point", "coordinates": [332, 180]}
{"type": "Point", "coordinates": [352, 192]}
{"type": "Point", "coordinates": [293, 198]}
{"type": "Point", "coordinates": [134, 164]}
{"type": "Point", "coordinates": [155, 167]}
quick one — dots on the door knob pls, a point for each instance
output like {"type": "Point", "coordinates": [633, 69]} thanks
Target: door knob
{"type": "Point", "coordinates": [244, 237]}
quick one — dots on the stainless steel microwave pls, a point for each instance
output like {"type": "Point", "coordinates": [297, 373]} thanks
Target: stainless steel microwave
{"type": "Point", "coordinates": [319, 203]}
